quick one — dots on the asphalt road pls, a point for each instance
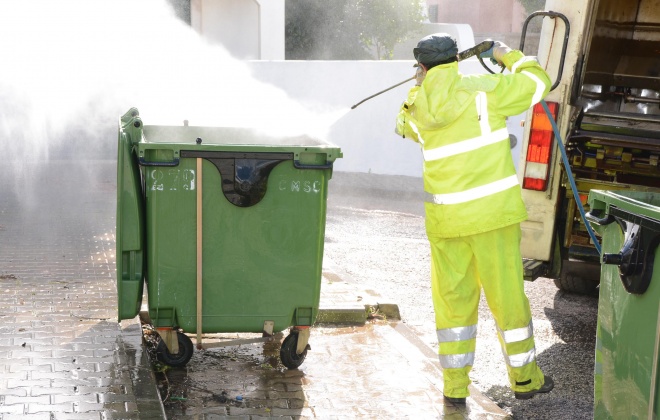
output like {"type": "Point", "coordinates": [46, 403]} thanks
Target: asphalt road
{"type": "Point", "coordinates": [375, 233]}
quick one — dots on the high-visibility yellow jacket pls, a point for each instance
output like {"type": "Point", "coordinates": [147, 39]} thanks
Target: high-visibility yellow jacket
{"type": "Point", "coordinates": [460, 123]}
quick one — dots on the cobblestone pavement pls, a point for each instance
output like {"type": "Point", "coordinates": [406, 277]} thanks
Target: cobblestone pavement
{"type": "Point", "coordinates": [63, 354]}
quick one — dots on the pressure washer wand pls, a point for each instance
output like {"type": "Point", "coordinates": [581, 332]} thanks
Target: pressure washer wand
{"type": "Point", "coordinates": [476, 50]}
{"type": "Point", "coordinates": [382, 91]}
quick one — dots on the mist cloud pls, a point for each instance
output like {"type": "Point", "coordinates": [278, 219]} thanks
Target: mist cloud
{"type": "Point", "coordinates": [71, 68]}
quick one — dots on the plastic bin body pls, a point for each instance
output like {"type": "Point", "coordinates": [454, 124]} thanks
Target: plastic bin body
{"type": "Point", "coordinates": [628, 328]}
{"type": "Point", "coordinates": [262, 226]}
{"type": "Point", "coordinates": [129, 236]}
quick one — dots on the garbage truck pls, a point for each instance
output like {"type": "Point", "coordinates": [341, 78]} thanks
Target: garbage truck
{"type": "Point", "coordinates": [604, 59]}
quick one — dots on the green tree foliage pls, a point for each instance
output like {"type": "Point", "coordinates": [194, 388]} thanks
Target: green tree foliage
{"type": "Point", "coordinates": [181, 9]}
{"type": "Point", "coordinates": [348, 29]}
{"type": "Point", "coordinates": [316, 30]}
{"type": "Point", "coordinates": [532, 5]}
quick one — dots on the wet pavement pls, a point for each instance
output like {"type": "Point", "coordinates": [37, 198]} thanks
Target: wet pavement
{"type": "Point", "coordinates": [376, 368]}
{"type": "Point", "coordinates": [63, 354]}
{"type": "Point", "coordinates": [367, 371]}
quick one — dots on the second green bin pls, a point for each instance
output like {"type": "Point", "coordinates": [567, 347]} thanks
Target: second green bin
{"type": "Point", "coordinates": [628, 328]}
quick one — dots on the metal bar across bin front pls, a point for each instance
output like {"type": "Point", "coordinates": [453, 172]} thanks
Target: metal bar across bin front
{"type": "Point", "coordinates": [211, 154]}
{"type": "Point", "coordinates": [199, 253]}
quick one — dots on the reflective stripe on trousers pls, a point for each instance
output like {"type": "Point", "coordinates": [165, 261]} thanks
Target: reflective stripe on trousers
{"type": "Point", "coordinates": [449, 335]}
{"type": "Point", "coordinates": [514, 336]}
{"type": "Point", "coordinates": [456, 361]}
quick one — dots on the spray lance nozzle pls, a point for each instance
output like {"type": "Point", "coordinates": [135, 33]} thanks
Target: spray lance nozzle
{"type": "Point", "coordinates": [463, 55]}
{"type": "Point", "coordinates": [477, 50]}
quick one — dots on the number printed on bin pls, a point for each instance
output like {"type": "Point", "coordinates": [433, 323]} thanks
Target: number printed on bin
{"type": "Point", "coordinates": [311, 187]}
{"type": "Point", "coordinates": [171, 179]}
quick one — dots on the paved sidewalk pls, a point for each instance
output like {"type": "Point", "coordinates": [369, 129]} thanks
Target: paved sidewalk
{"type": "Point", "coordinates": [62, 353]}
{"type": "Point", "coordinates": [64, 356]}
{"type": "Point", "coordinates": [399, 358]}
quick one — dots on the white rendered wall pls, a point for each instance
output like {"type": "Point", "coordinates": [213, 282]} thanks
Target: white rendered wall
{"type": "Point", "coordinates": [248, 29]}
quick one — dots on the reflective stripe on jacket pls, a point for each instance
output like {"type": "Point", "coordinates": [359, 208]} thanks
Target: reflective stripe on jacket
{"type": "Point", "coordinates": [460, 123]}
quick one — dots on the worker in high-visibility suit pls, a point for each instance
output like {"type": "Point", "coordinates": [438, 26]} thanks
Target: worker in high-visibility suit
{"type": "Point", "coordinates": [474, 205]}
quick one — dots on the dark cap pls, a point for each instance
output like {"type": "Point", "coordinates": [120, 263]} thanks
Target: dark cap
{"type": "Point", "coordinates": [435, 48]}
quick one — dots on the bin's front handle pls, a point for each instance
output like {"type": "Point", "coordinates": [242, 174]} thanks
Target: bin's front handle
{"type": "Point", "coordinates": [298, 165]}
{"type": "Point", "coordinates": [144, 162]}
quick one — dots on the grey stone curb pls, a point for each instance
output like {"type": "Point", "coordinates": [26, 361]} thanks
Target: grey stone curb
{"type": "Point", "coordinates": [357, 314]}
{"type": "Point", "coordinates": [145, 388]}
{"type": "Point", "coordinates": [338, 300]}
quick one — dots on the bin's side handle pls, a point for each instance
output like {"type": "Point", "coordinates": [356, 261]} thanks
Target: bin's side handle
{"type": "Point", "coordinates": [144, 162]}
{"type": "Point", "coordinates": [602, 221]}
{"type": "Point", "coordinates": [637, 254]}
{"type": "Point", "coordinates": [298, 165]}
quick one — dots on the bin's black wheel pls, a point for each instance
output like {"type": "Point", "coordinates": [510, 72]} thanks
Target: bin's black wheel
{"type": "Point", "coordinates": [288, 354]}
{"type": "Point", "coordinates": [186, 349]}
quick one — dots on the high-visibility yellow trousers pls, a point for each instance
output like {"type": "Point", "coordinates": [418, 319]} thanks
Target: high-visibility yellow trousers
{"type": "Point", "coordinates": [460, 268]}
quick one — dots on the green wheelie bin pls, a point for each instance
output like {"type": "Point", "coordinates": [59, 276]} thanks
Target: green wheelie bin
{"type": "Point", "coordinates": [226, 227]}
{"type": "Point", "coordinates": [628, 327]}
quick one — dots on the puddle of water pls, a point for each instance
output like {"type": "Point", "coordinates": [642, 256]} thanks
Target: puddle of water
{"type": "Point", "coordinates": [225, 378]}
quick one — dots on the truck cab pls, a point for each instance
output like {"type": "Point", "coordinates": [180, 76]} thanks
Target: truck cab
{"type": "Point", "coordinates": [604, 59]}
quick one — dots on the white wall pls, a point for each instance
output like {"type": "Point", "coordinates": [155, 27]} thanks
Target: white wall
{"type": "Point", "coordinates": [248, 29]}
{"type": "Point", "coordinates": [366, 133]}
{"type": "Point", "coordinates": [272, 29]}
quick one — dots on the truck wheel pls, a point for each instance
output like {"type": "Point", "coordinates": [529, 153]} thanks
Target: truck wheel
{"type": "Point", "coordinates": [579, 277]}
{"type": "Point", "coordinates": [186, 349]}
{"type": "Point", "coordinates": [290, 358]}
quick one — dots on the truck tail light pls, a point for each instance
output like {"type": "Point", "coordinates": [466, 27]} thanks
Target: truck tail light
{"type": "Point", "coordinates": [539, 150]}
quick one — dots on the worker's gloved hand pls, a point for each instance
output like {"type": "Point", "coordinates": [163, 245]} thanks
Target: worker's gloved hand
{"type": "Point", "coordinates": [496, 52]}
{"type": "Point", "coordinates": [487, 53]}
{"type": "Point", "coordinates": [500, 50]}
{"type": "Point", "coordinates": [419, 75]}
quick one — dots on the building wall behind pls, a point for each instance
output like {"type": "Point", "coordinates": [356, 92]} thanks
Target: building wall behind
{"type": "Point", "coordinates": [248, 29]}
{"type": "Point", "coordinates": [484, 16]}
